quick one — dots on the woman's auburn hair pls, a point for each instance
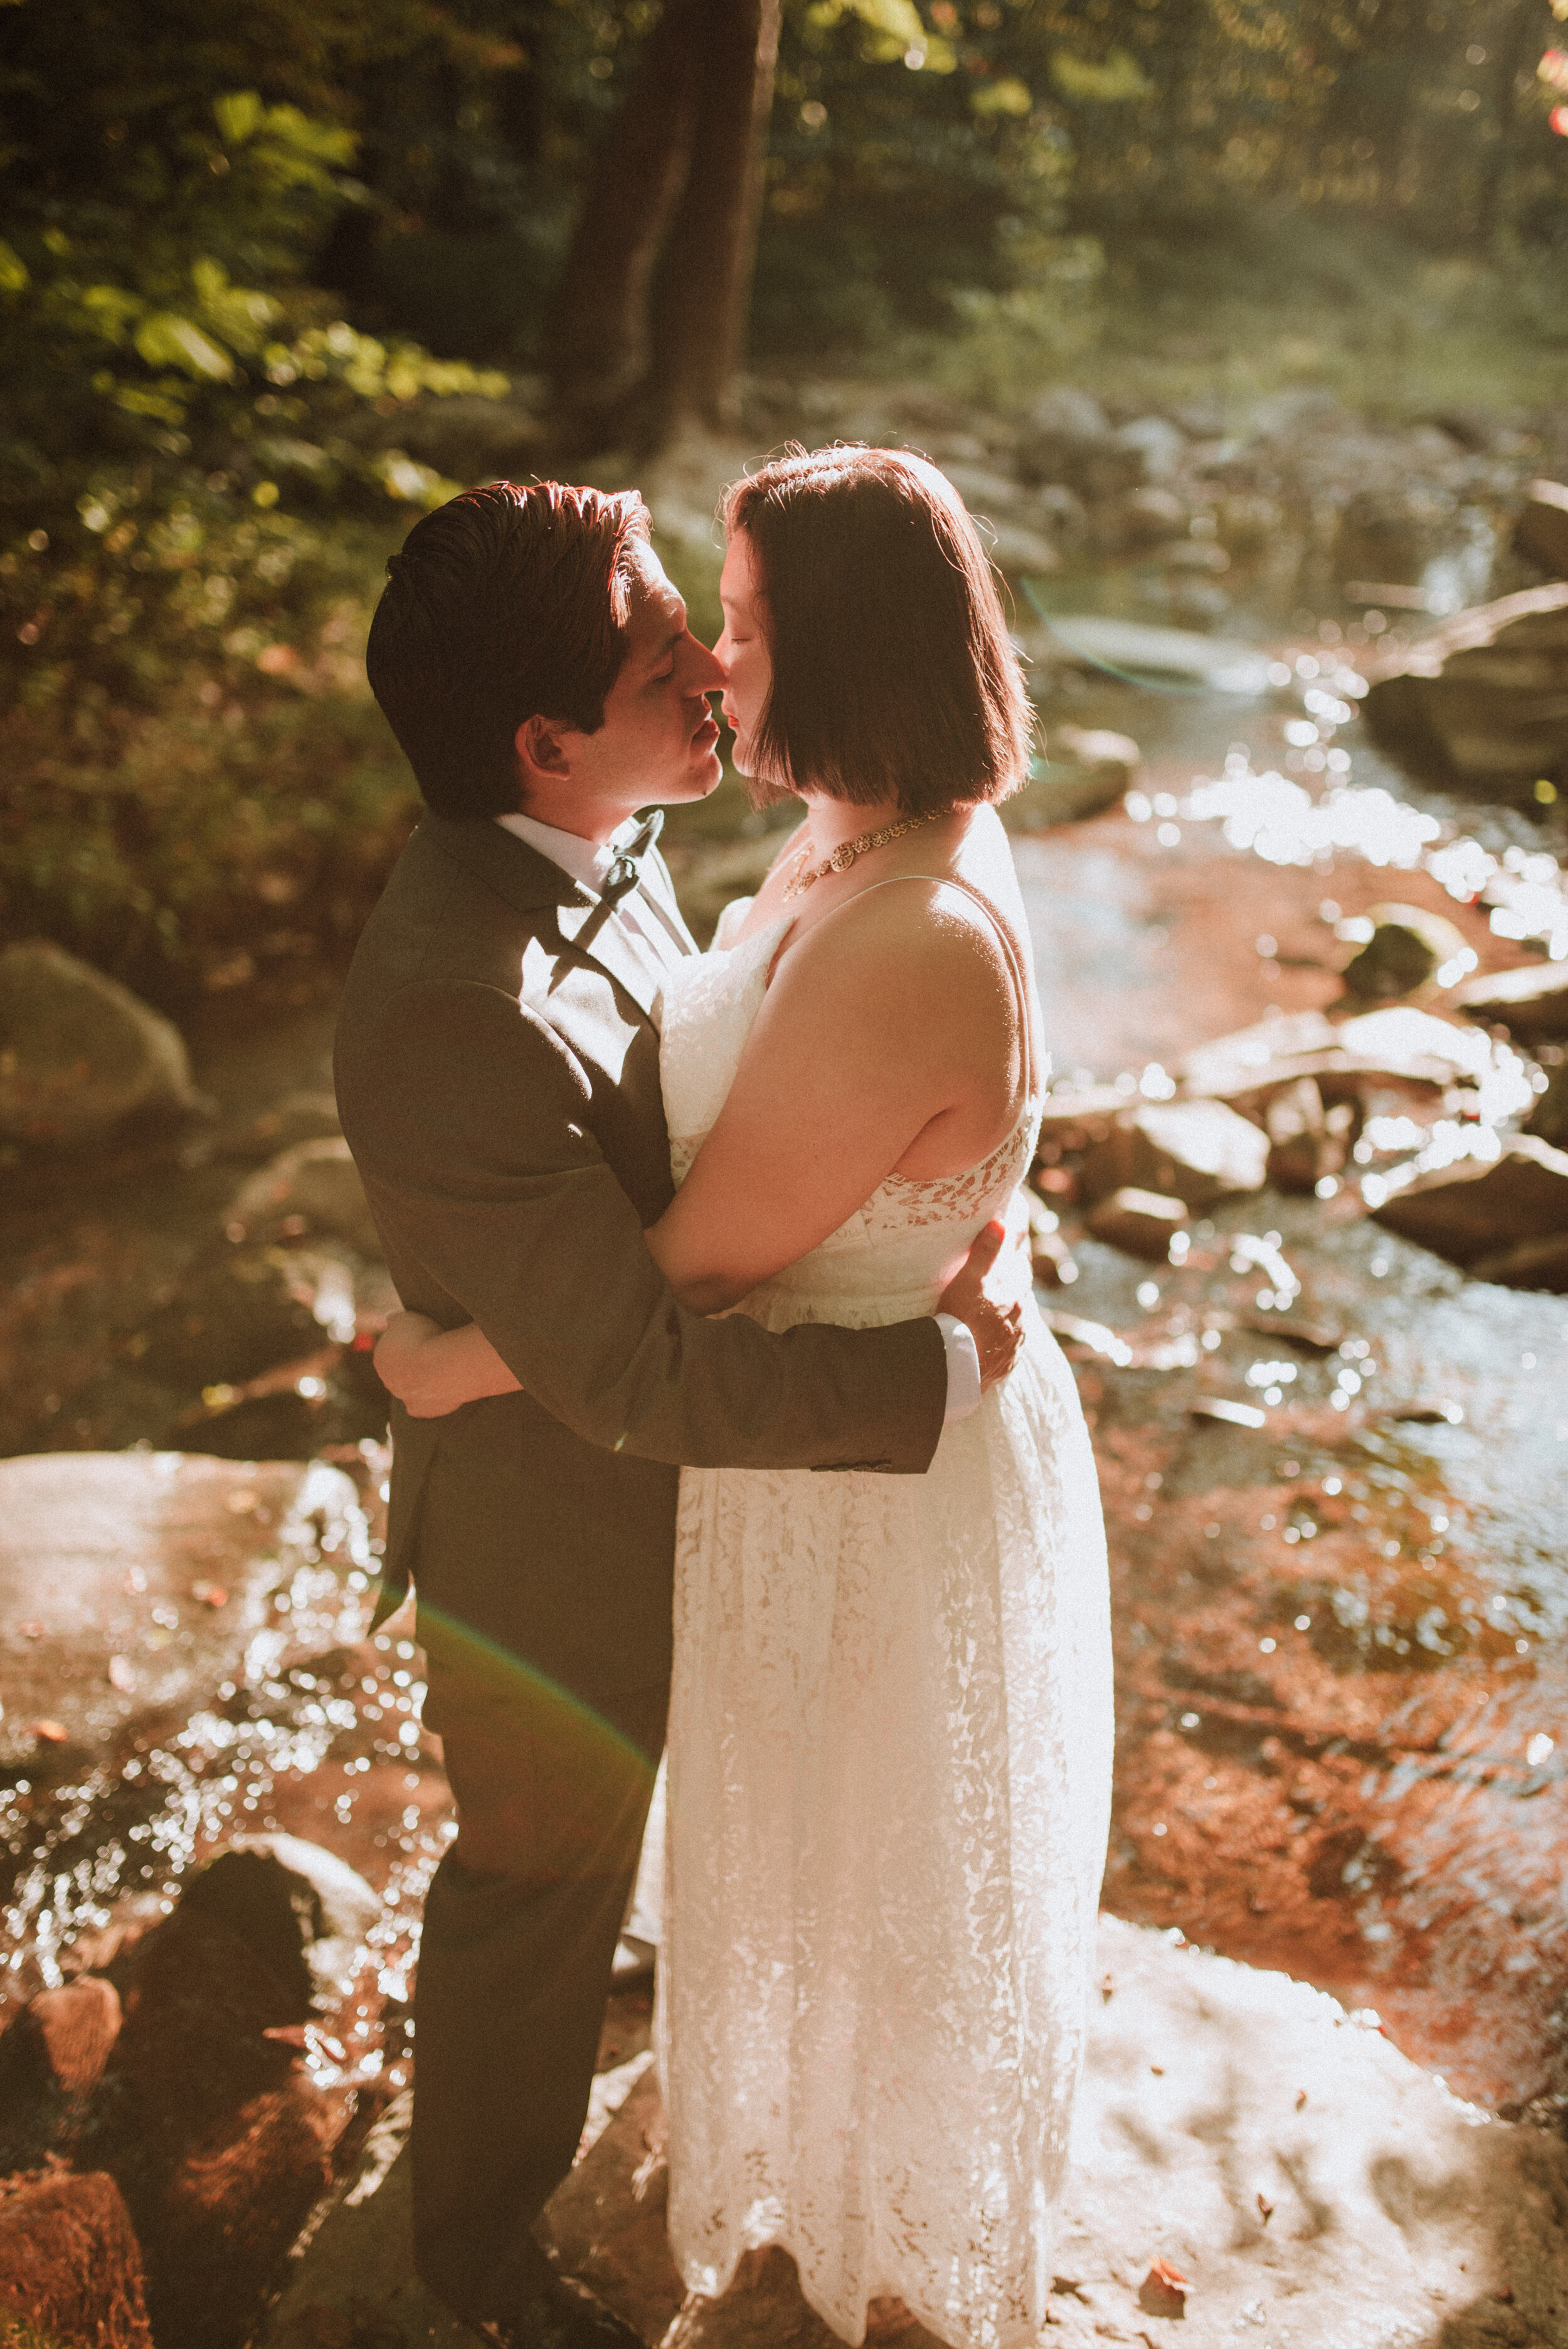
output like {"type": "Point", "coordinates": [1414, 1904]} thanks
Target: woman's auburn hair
{"type": "Point", "coordinates": [894, 675]}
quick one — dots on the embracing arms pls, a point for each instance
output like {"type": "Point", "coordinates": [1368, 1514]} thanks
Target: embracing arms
{"type": "Point", "coordinates": [470, 1124]}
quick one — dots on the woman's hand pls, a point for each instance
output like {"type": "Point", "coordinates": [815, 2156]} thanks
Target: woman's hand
{"type": "Point", "coordinates": [996, 1330]}
{"type": "Point", "coordinates": [432, 1371]}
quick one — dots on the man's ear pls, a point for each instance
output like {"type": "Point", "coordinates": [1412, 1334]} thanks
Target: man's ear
{"type": "Point", "coordinates": [541, 751]}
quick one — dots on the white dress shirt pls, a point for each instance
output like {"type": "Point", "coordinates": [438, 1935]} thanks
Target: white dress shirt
{"type": "Point", "coordinates": [650, 913]}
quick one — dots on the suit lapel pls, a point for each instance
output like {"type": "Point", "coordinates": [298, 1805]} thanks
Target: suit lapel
{"type": "Point", "coordinates": [531, 883]}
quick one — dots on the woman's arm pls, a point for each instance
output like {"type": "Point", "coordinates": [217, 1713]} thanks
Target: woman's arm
{"type": "Point", "coordinates": [869, 1041]}
{"type": "Point", "coordinates": [432, 1371]}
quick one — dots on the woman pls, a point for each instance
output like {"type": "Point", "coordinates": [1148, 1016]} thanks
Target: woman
{"type": "Point", "coordinates": [890, 1731]}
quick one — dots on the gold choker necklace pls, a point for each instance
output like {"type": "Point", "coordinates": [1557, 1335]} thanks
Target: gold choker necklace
{"type": "Point", "coordinates": [843, 856]}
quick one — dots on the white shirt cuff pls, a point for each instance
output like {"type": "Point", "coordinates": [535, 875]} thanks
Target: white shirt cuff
{"type": "Point", "coordinates": [963, 1368]}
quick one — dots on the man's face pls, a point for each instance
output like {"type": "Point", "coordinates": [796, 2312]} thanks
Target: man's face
{"type": "Point", "coordinates": [659, 739]}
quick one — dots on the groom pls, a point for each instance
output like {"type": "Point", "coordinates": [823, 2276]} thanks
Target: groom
{"type": "Point", "coordinates": [497, 1077]}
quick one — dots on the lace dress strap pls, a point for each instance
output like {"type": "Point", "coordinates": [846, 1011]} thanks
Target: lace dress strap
{"type": "Point", "coordinates": [1010, 954]}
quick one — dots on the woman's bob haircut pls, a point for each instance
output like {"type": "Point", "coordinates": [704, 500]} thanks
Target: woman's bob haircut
{"type": "Point", "coordinates": [894, 678]}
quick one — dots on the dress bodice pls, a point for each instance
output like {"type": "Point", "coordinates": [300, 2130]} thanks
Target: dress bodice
{"type": "Point", "coordinates": [889, 1257]}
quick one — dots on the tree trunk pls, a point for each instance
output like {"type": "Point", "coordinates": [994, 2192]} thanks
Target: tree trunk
{"type": "Point", "coordinates": [703, 286]}
{"type": "Point", "coordinates": [1510, 58]}
{"type": "Point", "coordinates": [600, 337]}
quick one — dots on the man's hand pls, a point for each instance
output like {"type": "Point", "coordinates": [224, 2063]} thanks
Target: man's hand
{"type": "Point", "coordinates": [997, 1330]}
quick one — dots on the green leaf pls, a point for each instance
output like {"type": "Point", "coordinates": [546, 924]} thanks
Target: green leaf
{"type": "Point", "coordinates": [13, 270]}
{"type": "Point", "coordinates": [1108, 83]}
{"type": "Point", "coordinates": [238, 114]}
{"type": "Point", "coordinates": [165, 339]}
{"type": "Point", "coordinates": [1008, 96]}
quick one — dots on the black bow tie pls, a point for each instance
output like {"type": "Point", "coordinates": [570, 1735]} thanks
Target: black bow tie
{"type": "Point", "coordinates": [626, 865]}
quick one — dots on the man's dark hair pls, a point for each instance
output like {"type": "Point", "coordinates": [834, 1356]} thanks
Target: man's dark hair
{"type": "Point", "coordinates": [506, 603]}
{"type": "Point", "coordinates": [894, 678]}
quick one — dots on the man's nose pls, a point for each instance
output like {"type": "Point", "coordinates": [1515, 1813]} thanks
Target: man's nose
{"type": "Point", "coordinates": [704, 671]}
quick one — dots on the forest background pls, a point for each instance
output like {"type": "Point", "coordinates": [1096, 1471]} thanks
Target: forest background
{"type": "Point", "coordinates": [264, 267]}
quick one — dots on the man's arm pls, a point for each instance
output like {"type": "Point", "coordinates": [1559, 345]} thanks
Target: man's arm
{"type": "Point", "coordinates": [468, 1121]}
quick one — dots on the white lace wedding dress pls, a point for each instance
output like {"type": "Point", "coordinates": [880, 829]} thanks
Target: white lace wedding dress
{"type": "Point", "coordinates": [889, 1787]}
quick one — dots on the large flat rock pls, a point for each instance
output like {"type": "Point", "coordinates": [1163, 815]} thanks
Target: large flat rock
{"type": "Point", "coordinates": [1312, 2184]}
{"type": "Point", "coordinates": [132, 1583]}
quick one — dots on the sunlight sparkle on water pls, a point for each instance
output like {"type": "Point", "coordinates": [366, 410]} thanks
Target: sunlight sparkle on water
{"type": "Point", "coordinates": [1283, 823]}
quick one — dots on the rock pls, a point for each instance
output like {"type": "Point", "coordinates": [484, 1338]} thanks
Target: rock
{"type": "Point", "coordinates": [301, 1909]}
{"type": "Point", "coordinates": [1247, 522]}
{"type": "Point", "coordinates": [1479, 1207]}
{"type": "Point", "coordinates": [1482, 696]}
{"type": "Point", "coordinates": [355, 2258]}
{"type": "Point", "coordinates": [1019, 551]}
{"type": "Point", "coordinates": [1145, 516]}
{"type": "Point", "coordinates": [52, 2059]}
{"type": "Point", "coordinates": [1531, 1002]}
{"type": "Point", "coordinates": [1236, 2130]}
{"type": "Point", "coordinates": [985, 493]}
{"type": "Point", "coordinates": [1534, 1263]}
{"type": "Point", "coordinates": [1069, 414]}
{"type": "Point", "coordinates": [1098, 747]}
{"type": "Point", "coordinates": [295, 1117]}
{"type": "Point", "coordinates": [69, 2264]}
{"type": "Point", "coordinates": [1197, 554]}
{"type": "Point", "coordinates": [1050, 1258]}
{"type": "Point", "coordinates": [1549, 1118]}
{"type": "Point", "coordinates": [1197, 602]}
{"type": "Point", "coordinates": [79, 1055]}
{"type": "Point", "coordinates": [1064, 428]}
{"type": "Point", "coordinates": [316, 1182]}
{"type": "Point", "coordinates": [1393, 533]}
{"type": "Point", "coordinates": [605, 2226]}
{"type": "Point", "coordinates": [1194, 1150]}
{"type": "Point", "coordinates": [1157, 445]}
{"type": "Point", "coordinates": [101, 1555]}
{"type": "Point", "coordinates": [1400, 1045]}
{"type": "Point", "coordinates": [1141, 1222]}
{"type": "Point", "coordinates": [1134, 650]}
{"type": "Point", "coordinates": [1308, 1143]}
{"type": "Point", "coordinates": [239, 1310]}
{"type": "Point", "coordinates": [1541, 534]}
{"type": "Point", "coordinates": [1408, 946]}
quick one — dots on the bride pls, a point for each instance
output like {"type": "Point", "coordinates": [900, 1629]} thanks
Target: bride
{"type": "Point", "coordinates": [891, 1723]}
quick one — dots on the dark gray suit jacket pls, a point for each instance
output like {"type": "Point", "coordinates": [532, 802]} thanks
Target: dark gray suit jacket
{"type": "Point", "coordinates": [498, 1079]}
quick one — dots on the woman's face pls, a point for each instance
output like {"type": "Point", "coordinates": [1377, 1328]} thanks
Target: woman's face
{"type": "Point", "coordinates": [742, 650]}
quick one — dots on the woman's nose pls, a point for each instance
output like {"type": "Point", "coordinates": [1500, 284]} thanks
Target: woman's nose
{"type": "Point", "coordinates": [708, 669]}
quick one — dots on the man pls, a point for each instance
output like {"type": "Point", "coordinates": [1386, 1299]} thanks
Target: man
{"type": "Point", "coordinates": [498, 1079]}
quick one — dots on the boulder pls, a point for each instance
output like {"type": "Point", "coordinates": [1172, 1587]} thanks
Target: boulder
{"type": "Point", "coordinates": [1103, 751]}
{"type": "Point", "coordinates": [1140, 653]}
{"type": "Point", "coordinates": [1019, 552]}
{"type": "Point", "coordinates": [1064, 429]}
{"type": "Point", "coordinates": [1146, 515]}
{"type": "Point", "coordinates": [1392, 533]}
{"type": "Point", "coordinates": [1549, 1118]}
{"type": "Point", "coordinates": [1156, 443]}
{"type": "Point", "coordinates": [69, 2265]}
{"type": "Point", "coordinates": [1248, 2160]}
{"type": "Point", "coordinates": [52, 2059]}
{"type": "Point", "coordinates": [1531, 1002]}
{"type": "Point", "coordinates": [294, 1117]}
{"type": "Point", "coordinates": [1484, 697]}
{"type": "Point", "coordinates": [163, 1569]}
{"type": "Point", "coordinates": [1408, 946]}
{"type": "Point", "coordinates": [1479, 1209]}
{"type": "Point", "coordinates": [1141, 1222]}
{"type": "Point", "coordinates": [299, 1907]}
{"type": "Point", "coordinates": [1308, 1143]}
{"type": "Point", "coordinates": [238, 1310]}
{"type": "Point", "coordinates": [315, 1187]}
{"type": "Point", "coordinates": [80, 1056]}
{"type": "Point", "coordinates": [1193, 1150]}
{"type": "Point", "coordinates": [1541, 534]}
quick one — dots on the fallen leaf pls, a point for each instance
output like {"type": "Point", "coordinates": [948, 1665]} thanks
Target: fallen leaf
{"type": "Point", "coordinates": [48, 1733]}
{"type": "Point", "coordinates": [1107, 1988]}
{"type": "Point", "coordinates": [1171, 2277]}
{"type": "Point", "coordinates": [1158, 2070]}
{"type": "Point", "coordinates": [1266, 2208]}
{"type": "Point", "coordinates": [1300, 2098]}
{"type": "Point", "coordinates": [287, 2035]}
{"type": "Point", "coordinates": [211, 1594]}
{"type": "Point", "coordinates": [1505, 2293]}
{"type": "Point", "coordinates": [122, 1674]}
